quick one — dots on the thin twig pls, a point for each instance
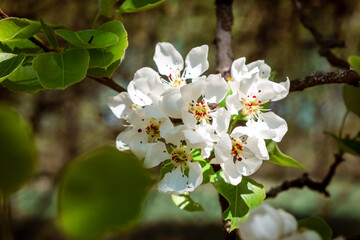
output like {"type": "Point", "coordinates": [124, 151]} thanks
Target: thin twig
{"type": "Point", "coordinates": [326, 44]}
{"type": "Point", "coordinates": [109, 82]}
{"type": "Point", "coordinates": [306, 181]}
{"type": "Point", "coordinates": [320, 78]}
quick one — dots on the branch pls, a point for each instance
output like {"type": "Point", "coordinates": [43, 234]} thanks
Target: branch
{"type": "Point", "coordinates": [223, 38]}
{"type": "Point", "coordinates": [326, 44]}
{"type": "Point", "coordinates": [109, 82]}
{"type": "Point", "coordinates": [305, 180]}
{"type": "Point", "coordinates": [320, 78]}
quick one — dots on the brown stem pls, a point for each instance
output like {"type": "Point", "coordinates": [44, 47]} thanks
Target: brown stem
{"type": "Point", "coordinates": [5, 219]}
{"type": "Point", "coordinates": [320, 78]}
{"type": "Point", "coordinates": [223, 38]}
{"type": "Point", "coordinates": [305, 180]}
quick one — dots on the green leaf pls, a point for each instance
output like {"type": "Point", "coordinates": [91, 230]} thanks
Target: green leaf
{"type": "Point", "coordinates": [101, 191]}
{"type": "Point", "coordinates": [9, 63]}
{"type": "Point", "coordinates": [351, 97]}
{"type": "Point", "coordinates": [59, 70]}
{"type": "Point", "coordinates": [208, 171]}
{"type": "Point", "coordinates": [350, 145]}
{"type": "Point", "coordinates": [89, 38]}
{"type": "Point", "coordinates": [105, 7]}
{"type": "Point", "coordinates": [247, 195]}
{"type": "Point", "coordinates": [24, 79]}
{"type": "Point", "coordinates": [18, 154]}
{"type": "Point", "coordinates": [130, 6]}
{"type": "Point", "coordinates": [355, 63]}
{"type": "Point", "coordinates": [104, 72]}
{"type": "Point", "coordinates": [185, 202]}
{"type": "Point", "coordinates": [318, 225]}
{"type": "Point", "coordinates": [49, 35]}
{"type": "Point", "coordinates": [102, 58]}
{"type": "Point", "coordinates": [13, 27]}
{"type": "Point", "coordinates": [277, 157]}
{"type": "Point", "coordinates": [18, 46]}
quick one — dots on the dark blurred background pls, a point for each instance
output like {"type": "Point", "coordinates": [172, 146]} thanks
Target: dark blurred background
{"type": "Point", "coordinates": [71, 122]}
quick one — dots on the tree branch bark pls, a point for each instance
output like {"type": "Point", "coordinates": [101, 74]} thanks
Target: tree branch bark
{"type": "Point", "coordinates": [306, 181]}
{"type": "Point", "coordinates": [223, 38]}
{"type": "Point", "coordinates": [319, 78]}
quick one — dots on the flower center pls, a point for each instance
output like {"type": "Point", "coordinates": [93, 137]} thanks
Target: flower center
{"type": "Point", "coordinates": [237, 150]}
{"type": "Point", "coordinates": [251, 107]}
{"type": "Point", "coordinates": [177, 80]}
{"type": "Point", "coordinates": [201, 110]}
{"type": "Point", "coordinates": [153, 130]}
{"type": "Point", "coordinates": [180, 157]}
{"type": "Point", "coordinates": [134, 107]}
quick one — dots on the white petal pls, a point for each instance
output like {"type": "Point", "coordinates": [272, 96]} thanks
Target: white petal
{"type": "Point", "coordinates": [173, 182]}
{"type": "Point", "coordinates": [195, 176]}
{"type": "Point", "coordinates": [230, 173]}
{"type": "Point", "coordinates": [284, 91]}
{"type": "Point", "coordinates": [238, 69]}
{"type": "Point", "coordinates": [261, 129]}
{"type": "Point", "coordinates": [167, 59]}
{"type": "Point", "coordinates": [311, 235]}
{"type": "Point", "coordinates": [263, 223]}
{"type": "Point", "coordinates": [233, 104]}
{"type": "Point", "coordinates": [120, 105]}
{"type": "Point", "coordinates": [172, 103]}
{"type": "Point", "coordinates": [121, 142]}
{"type": "Point", "coordinates": [248, 166]}
{"type": "Point", "coordinates": [166, 127]}
{"type": "Point", "coordinates": [196, 61]}
{"type": "Point", "coordinates": [188, 119]}
{"type": "Point", "coordinates": [137, 95]}
{"type": "Point", "coordinates": [223, 149]}
{"type": "Point", "coordinates": [191, 92]}
{"type": "Point", "coordinates": [215, 88]}
{"type": "Point", "coordinates": [154, 112]}
{"type": "Point", "coordinates": [221, 120]}
{"type": "Point", "coordinates": [290, 223]}
{"type": "Point", "coordinates": [263, 68]}
{"type": "Point", "coordinates": [275, 123]}
{"type": "Point", "coordinates": [257, 146]}
{"type": "Point", "coordinates": [156, 154]}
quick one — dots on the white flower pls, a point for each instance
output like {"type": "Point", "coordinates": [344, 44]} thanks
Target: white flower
{"type": "Point", "coordinates": [248, 97]}
{"type": "Point", "coordinates": [240, 154]}
{"type": "Point", "coordinates": [171, 64]}
{"type": "Point", "coordinates": [267, 223]}
{"type": "Point", "coordinates": [147, 127]}
{"type": "Point", "coordinates": [186, 175]}
{"type": "Point", "coordinates": [145, 89]}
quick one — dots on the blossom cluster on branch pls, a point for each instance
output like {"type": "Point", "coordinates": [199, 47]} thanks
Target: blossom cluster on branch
{"type": "Point", "coordinates": [177, 113]}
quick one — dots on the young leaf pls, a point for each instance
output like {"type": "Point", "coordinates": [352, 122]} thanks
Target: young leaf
{"type": "Point", "coordinates": [350, 145]}
{"type": "Point", "coordinates": [13, 27]}
{"type": "Point", "coordinates": [355, 63]}
{"type": "Point", "coordinates": [318, 225]}
{"type": "Point", "coordinates": [102, 58]}
{"type": "Point", "coordinates": [59, 70]}
{"type": "Point", "coordinates": [277, 157]}
{"type": "Point", "coordinates": [24, 79]}
{"type": "Point", "coordinates": [247, 195]}
{"type": "Point", "coordinates": [101, 191]}
{"type": "Point", "coordinates": [49, 35]}
{"type": "Point", "coordinates": [89, 38]}
{"type": "Point", "coordinates": [19, 46]}
{"type": "Point", "coordinates": [130, 6]}
{"type": "Point", "coordinates": [104, 72]}
{"type": "Point", "coordinates": [208, 171]}
{"type": "Point", "coordinates": [18, 154]}
{"type": "Point", "coordinates": [9, 63]}
{"type": "Point", "coordinates": [351, 97]}
{"type": "Point", "coordinates": [185, 202]}
{"type": "Point", "coordinates": [105, 7]}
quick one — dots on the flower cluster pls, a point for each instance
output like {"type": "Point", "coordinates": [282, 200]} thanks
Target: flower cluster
{"type": "Point", "coordinates": [176, 113]}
